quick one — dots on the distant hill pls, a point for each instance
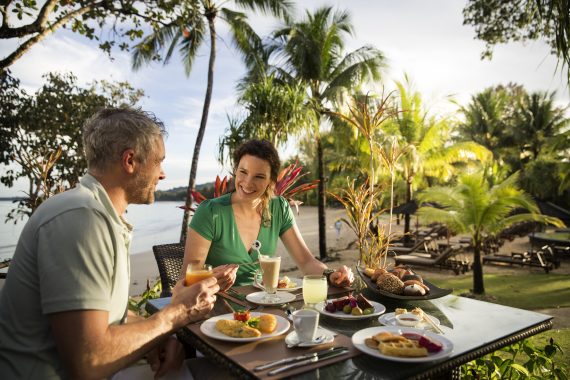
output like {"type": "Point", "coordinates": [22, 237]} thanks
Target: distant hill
{"type": "Point", "coordinates": [179, 193]}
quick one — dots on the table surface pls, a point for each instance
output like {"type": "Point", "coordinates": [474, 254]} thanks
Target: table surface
{"type": "Point", "coordinates": [475, 328]}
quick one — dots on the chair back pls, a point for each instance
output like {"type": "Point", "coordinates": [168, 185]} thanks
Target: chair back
{"type": "Point", "coordinates": [169, 258]}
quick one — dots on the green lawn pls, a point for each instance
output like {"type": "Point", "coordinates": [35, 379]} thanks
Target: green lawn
{"type": "Point", "coordinates": [530, 292]}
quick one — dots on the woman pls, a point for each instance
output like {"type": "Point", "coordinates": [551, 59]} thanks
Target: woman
{"type": "Point", "coordinates": [223, 229]}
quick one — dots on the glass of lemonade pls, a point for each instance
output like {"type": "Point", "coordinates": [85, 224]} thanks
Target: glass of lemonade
{"type": "Point", "coordinates": [270, 275]}
{"type": "Point", "coordinates": [196, 272]}
{"type": "Point", "coordinates": [314, 289]}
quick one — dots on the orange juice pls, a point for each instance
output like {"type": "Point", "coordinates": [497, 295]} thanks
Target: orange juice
{"type": "Point", "coordinates": [194, 275]}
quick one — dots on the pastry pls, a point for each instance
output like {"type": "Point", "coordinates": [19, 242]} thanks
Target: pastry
{"type": "Point", "coordinates": [407, 348]}
{"type": "Point", "coordinates": [267, 323]}
{"type": "Point", "coordinates": [414, 290]}
{"type": "Point", "coordinates": [377, 273]}
{"type": "Point", "coordinates": [390, 283]}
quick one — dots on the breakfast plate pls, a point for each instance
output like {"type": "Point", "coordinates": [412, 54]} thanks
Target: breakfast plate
{"type": "Point", "coordinates": [280, 298]}
{"type": "Point", "coordinates": [293, 283]}
{"type": "Point", "coordinates": [208, 328]}
{"type": "Point", "coordinates": [389, 319]}
{"type": "Point", "coordinates": [360, 336]}
{"type": "Point", "coordinates": [378, 309]}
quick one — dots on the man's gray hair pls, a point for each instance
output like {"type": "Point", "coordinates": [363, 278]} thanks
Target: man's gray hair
{"type": "Point", "coordinates": [111, 131]}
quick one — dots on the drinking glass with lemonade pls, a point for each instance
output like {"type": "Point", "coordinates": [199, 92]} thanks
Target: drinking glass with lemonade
{"type": "Point", "coordinates": [314, 289]}
{"type": "Point", "coordinates": [196, 272]}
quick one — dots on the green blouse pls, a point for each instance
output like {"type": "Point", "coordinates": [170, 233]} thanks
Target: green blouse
{"type": "Point", "coordinates": [214, 221]}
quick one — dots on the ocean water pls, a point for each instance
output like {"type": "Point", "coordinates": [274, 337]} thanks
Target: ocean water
{"type": "Point", "coordinates": [158, 223]}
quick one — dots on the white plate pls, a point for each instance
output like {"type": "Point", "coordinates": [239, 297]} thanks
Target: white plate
{"type": "Point", "coordinates": [292, 338]}
{"type": "Point", "coordinates": [208, 328]}
{"type": "Point", "coordinates": [378, 309]}
{"type": "Point", "coordinates": [259, 298]}
{"type": "Point", "coordinates": [359, 337]}
{"type": "Point", "coordinates": [389, 319]}
{"type": "Point", "coordinates": [297, 281]}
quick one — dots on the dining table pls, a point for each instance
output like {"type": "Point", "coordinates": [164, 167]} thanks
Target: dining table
{"type": "Point", "coordinates": [474, 327]}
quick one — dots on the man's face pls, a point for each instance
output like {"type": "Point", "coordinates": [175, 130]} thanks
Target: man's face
{"type": "Point", "coordinates": [141, 189]}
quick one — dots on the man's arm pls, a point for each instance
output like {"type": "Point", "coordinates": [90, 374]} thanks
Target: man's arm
{"type": "Point", "coordinates": [90, 348]}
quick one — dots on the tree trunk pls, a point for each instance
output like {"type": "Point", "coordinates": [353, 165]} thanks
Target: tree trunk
{"type": "Point", "coordinates": [321, 201]}
{"type": "Point", "coordinates": [478, 286]}
{"type": "Point", "coordinates": [201, 130]}
{"type": "Point", "coordinates": [407, 236]}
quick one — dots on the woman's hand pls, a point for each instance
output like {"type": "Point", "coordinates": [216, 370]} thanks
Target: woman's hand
{"type": "Point", "coordinates": [226, 275]}
{"type": "Point", "coordinates": [343, 276]}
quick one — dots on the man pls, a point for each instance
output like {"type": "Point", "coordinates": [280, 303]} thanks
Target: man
{"type": "Point", "coordinates": [63, 308]}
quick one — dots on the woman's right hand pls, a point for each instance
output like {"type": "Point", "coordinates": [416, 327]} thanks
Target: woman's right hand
{"type": "Point", "coordinates": [197, 299]}
{"type": "Point", "coordinates": [226, 275]}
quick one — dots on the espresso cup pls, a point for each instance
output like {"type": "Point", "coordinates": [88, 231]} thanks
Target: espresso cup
{"type": "Point", "coordinates": [306, 322]}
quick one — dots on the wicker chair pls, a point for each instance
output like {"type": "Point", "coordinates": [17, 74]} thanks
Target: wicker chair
{"type": "Point", "coordinates": [169, 258]}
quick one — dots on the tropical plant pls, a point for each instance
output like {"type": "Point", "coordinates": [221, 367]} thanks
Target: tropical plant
{"type": "Point", "coordinates": [275, 111]}
{"type": "Point", "coordinates": [474, 207]}
{"type": "Point", "coordinates": [312, 54]}
{"type": "Point", "coordinates": [137, 304]}
{"type": "Point", "coordinates": [429, 154]}
{"type": "Point", "coordinates": [501, 21]}
{"type": "Point", "coordinates": [37, 20]}
{"type": "Point", "coordinates": [521, 360]}
{"type": "Point", "coordinates": [34, 128]}
{"type": "Point", "coordinates": [188, 32]}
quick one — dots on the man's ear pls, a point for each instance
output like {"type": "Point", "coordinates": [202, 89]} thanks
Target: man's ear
{"type": "Point", "coordinates": [128, 161]}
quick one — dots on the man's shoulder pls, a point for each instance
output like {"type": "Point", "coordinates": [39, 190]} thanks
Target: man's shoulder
{"type": "Point", "coordinates": [77, 199]}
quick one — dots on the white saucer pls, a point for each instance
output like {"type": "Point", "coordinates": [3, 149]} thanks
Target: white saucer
{"type": "Point", "coordinates": [280, 297]}
{"type": "Point", "coordinates": [292, 338]}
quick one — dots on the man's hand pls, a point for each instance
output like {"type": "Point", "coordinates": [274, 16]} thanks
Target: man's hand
{"type": "Point", "coordinates": [226, 275]}
{"type": "Point", "coordinates": [343, 276]}
{"type": "Point", "coordinates": [197, 299]}
{"type": "Point", "coordinates": [166, 357]}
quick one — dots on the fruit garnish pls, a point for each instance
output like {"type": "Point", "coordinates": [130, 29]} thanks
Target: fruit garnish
{"type": "Point", "coordinates": [430, 345]}
{"type": "Point", "coordinates": [412, 336]}
{"type": "Point", "coordinates": [241, 315]}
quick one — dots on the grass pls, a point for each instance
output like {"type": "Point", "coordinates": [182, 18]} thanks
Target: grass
{"type": "Point", "coordinates": [527, 291]}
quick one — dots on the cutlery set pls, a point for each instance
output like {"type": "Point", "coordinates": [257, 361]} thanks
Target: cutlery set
{"type": "Point", "coordinates": [299, 361]}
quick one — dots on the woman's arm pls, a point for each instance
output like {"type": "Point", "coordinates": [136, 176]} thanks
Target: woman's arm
{"type": "Point", "coordinates": [308, 264]}
{"type": "Point", "coordinates": [300, 253]}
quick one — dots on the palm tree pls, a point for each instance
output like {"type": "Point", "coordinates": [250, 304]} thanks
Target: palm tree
{"type": "Point", "coordinates": [188, 32]}
{"type": "Point", "coordinates": [312, 52]}
{"type": "Point", "coordinates": [430, 155]}
{"type": "Point", "coordinates": [480, 210]}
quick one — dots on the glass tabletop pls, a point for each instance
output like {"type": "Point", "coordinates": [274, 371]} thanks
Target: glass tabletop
{"type": "Point", "coordinates": [475, 328]}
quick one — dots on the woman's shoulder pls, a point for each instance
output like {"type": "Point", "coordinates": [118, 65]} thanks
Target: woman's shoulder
{"type": "Point", "coordinates": [216, 203]}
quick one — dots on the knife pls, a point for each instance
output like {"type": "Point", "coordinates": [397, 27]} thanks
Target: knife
{"type": "Point", "coordinates": [297, 358]}
{"type": "Point", "coordinates": [314, 359]}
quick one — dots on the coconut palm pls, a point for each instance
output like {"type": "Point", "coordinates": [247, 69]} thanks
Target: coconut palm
{"type": "Point", "coordinates": [188, 32]}
{"type": "Point", "coordinates": [480, 210]}
{"type": "Point", "coordinates": [430, 155]}
{"type": "Point", "coordinates": [311, 51]}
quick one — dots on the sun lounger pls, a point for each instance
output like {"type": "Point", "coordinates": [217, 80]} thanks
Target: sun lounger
{"type": "Point", "coordinates": [544, 258]}
{"type": "Point", "coordinates": [402, 250]}
{"type": "Point", "coordinates": [4, 264]}
{"type": "Point", "coordinates": [442, 260]}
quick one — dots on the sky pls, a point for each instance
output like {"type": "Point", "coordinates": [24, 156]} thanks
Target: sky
{"type": "Point", "coordinates": [424, 39]}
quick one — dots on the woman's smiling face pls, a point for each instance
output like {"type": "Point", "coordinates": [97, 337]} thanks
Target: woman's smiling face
{"type": "Point", "coordinates": [252, 177]}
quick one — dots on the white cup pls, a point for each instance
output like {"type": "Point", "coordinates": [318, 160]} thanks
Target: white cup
{"type": "Point", "coordinates": [306, 322]}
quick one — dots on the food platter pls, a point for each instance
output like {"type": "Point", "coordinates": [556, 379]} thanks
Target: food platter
{"type": "Point", "coordinates": [378, 309]}
{"type": "Point", "coordinates": [359, 337]}
{"type": "Point", "coordinates": [208, 328]}
{"type": "Point", "coordinates": [435, 292]}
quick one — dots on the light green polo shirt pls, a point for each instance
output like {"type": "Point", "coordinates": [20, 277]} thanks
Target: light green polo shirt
{"type": "Point", "coordinates": [214, 221]}
{"type": "Point", "coordinates": [72, 255]}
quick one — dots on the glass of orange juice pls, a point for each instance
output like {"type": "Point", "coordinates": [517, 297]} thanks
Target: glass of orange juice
{"type": "Point", "coordinates": [196, 272]}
